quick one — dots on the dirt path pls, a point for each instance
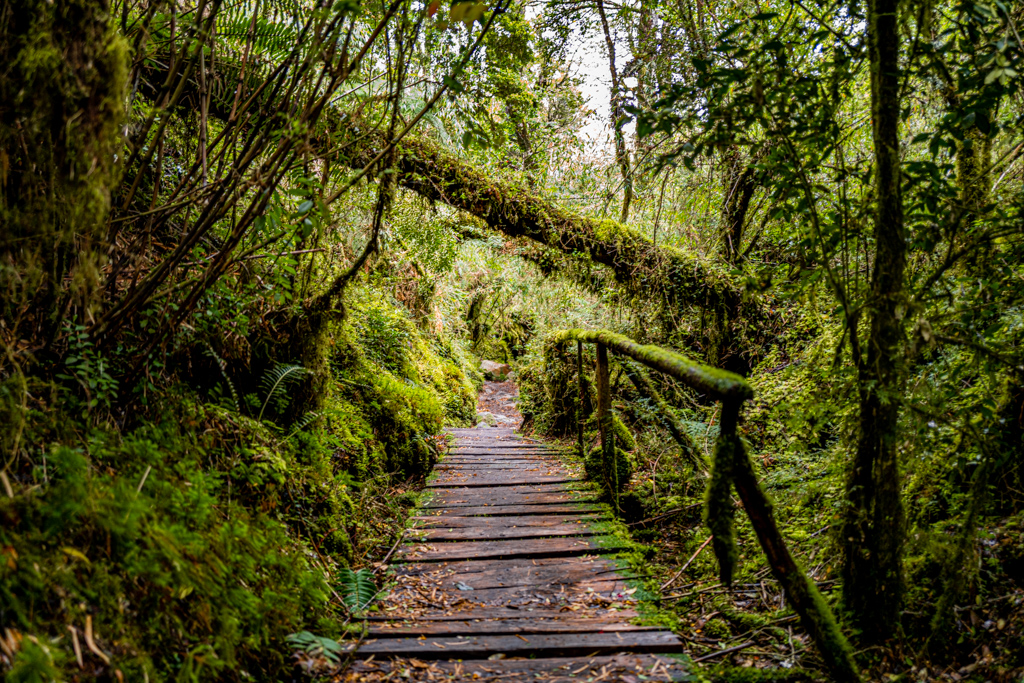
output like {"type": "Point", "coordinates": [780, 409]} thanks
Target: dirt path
{"type": "Point", "coordinates": [505, 575]}
{"type": "Point", "coordinates": [496, 405]}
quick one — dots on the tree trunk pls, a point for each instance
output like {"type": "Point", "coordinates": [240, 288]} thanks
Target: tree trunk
{"type": "Point", "coordinates": [618, 117]}
{"type": "Point", "coordinates": [873, 526]}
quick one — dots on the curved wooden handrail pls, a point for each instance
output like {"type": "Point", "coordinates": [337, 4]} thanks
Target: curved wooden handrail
{"type": "Point", "coordinates": [720, 384]}
{"type": "Point", "coordinates": [731, 469]}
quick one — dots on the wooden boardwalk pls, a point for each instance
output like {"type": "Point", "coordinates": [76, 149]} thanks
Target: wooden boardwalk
{"type": "Point", "coordinates": [502, 577]}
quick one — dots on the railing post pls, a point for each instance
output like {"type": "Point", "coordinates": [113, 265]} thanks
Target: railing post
{"type": "Point", "coordinates": [582, 398]}
{"type": "Point", "coordinates": [604, 416]}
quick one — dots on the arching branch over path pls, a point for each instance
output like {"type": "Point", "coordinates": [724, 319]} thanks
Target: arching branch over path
{"type": "Point", "coordinates": [678, 278]}
{"type": "Point", "coordinates": [683, 279]}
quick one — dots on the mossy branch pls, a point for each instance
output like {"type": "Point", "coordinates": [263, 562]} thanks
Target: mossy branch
{"type": "Point", "coordinates": [719, 384]}
{"type": "Point", "coordinates": [681, 278]}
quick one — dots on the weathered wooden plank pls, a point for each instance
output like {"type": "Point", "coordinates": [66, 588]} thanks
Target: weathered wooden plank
{"type": "Point", "coordinates": [501, 612]}
{"type": "Point", "coordinates": [555, 593]}
{"type": "Point", "coordinates": [497, 464]}
{"type": "Point", "coordinates": [595, 624]}
{"type": "Point", "coordinates": [534, 510]}
{"type": "Point", "coordinates": [506, 451]}
{"type": "Point", "coordinates": [550, 669]}
{"type": "Point", "coordinates": [451, 479]}
{"type": "Point", "coordinates": [489, 432]}
{"type": "Point", "coordinates": [540, 645]}
{"type": "Point", "coordinates": [496, 533]}
{"type": "Point", "coordinates": [509, 521]}
{"type": "Point", "coordinates": [510, 573]}
{"type": "Point", "coordinates": [450, 498]}
{"type": "Point", "coordinates": [532, 547]}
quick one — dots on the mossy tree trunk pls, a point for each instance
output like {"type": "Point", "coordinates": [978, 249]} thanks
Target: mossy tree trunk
{"type": "Point", "coordinates": [680, 279]}
{"type": "Point", "coordinates": [872, 532]}
{"type": "Point", "coordinates": [61, 108]}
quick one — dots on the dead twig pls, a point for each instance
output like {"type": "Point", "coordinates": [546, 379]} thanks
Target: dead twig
{"type": "Point", "coordinates": [726, 651]}
{"type": "Point", "coordinates": [688, 562]}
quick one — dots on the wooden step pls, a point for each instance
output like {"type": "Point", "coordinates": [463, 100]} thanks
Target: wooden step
{"type": "Point", "coordinates": [508, 573]}
{"type": "Point", "coordinates": [472, 613]}
{"type": "Point", "coordinates": [481, 498]}
{"type": "Point", "coordinates": [474, 479]}
{"type": "Point", "coordinates": [454, 521]}
{"type": "Point", "coordinates": [611, 669]}
{"type": "Point", "coordinates": [531, 547]}
{"type": "Point", "coordinates": [537, 645]}
{"type": "Point", "coordinates": [599, 624]}
{"type": "Point", "coordinates": [531, 510]}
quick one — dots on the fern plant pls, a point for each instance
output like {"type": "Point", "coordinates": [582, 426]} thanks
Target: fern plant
{"type": "Point", "coordinates": [317, 646]}
{"type": "Point", "coordinates": [223, 367]}
{"type": "Point", "coordinates": [276, 380]}
{"type": "Point", "coordinates": [357, 588]}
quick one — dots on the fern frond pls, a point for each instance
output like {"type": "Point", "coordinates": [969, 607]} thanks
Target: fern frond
{"type": "Point", "coordinates": [304, 421]}
{"type": "Point", "coordinates": [224, 373]}
{"type": "Point", "coordinates": [358, 588]}
{"type": "Point", "coordinates": [276, 379]}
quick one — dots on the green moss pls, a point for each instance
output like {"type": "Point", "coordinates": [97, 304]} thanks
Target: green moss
{"type": "Point", "coordinates": [720, 384]}
{"type": "Point", "coordinates": [189, 539]}
{"type": "Point", "coordinates": [727, 673]}
{"type": "Point", "coordinates": [719, 509]}
{"type": "Point", "coordinates": [594, 466]}
{"type": "Point", "coordinates": [623, 436]}
{"type": "Point", "coordinates": [63, 90]}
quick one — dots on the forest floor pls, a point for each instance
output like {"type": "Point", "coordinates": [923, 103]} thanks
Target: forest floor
{"type": "Point", "coordinates": [497, 403]}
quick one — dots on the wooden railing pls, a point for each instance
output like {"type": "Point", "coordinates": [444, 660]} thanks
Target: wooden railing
{"type": "Point", "coordinates": [731, 468]}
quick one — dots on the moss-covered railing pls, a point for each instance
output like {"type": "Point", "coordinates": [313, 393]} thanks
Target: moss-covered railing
{"type": "Point", "coordinates": [731, 468]}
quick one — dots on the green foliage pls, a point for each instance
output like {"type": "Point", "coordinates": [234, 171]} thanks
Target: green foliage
{"type": "Point", "coordinates": [317, 646]}
{"type": "Point", "coordinates": [275, 383]}
{"type": "Point", "coordinates": [144, 520]}
{"type": "Point", "coordinates": [357, 588]}
{"type": "Point", "coordinates": [36, 663]}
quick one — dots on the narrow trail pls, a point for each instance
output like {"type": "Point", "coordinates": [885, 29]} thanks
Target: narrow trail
{"type": "Point", "coordinates": [505, 575]}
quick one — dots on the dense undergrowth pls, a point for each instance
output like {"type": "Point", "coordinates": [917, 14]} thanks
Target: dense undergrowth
{"type": "Point", "coordinates": [965, 624]}
{"type": "Point", "coordinates": [230, 339]}
{"type": "Point", "coordinates": [185, 539]}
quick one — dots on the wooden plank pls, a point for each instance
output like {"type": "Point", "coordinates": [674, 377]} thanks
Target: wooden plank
{"type": "Point", "coordinates": [458, 522]}
{"type": "Point", "coordinates": [481, 498]}
{"type": "Point", "coordinates": [596, 624]}
{"type": "Point", "coordinates": [522, 510]}
{"type": "Point", "coordinates": [537, 594]}
{"type": "Point", "coordinates": [499, 466]}
{"type": "Point", "coordinates": [540, 645]}
{"type": "Point", "coordinates": [502, 450]}
{"type": "Point", "coordinates": [510, 573]}
{"type": "Point", "coordinates": [597, 564]}
{"type": "Point", "coordinates": [533, 547]}
{"type": "Point", "coordinates": [490, 432]}
{"type": "Point", "coordinates": [496, 533]}
{"type": "Point", "coordinates": [610, 668]}
{"type": "Point", "coordinates": [452, 479]}
{"type": "Point", "coordinates": [500, 612]}
{"type": "Point", "coordinates": [525, 489]}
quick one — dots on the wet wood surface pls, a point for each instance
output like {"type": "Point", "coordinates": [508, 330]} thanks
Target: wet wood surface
{"type": "Point", "coordinates": [506, 572]}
